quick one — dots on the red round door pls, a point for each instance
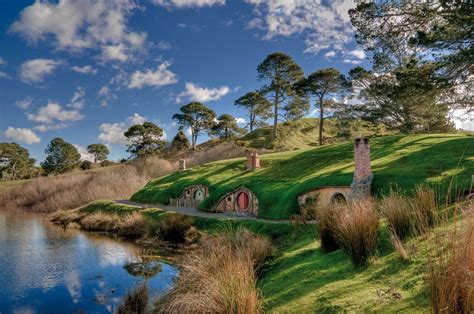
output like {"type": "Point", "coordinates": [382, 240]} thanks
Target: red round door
{"type": "Point", "coordinates": [243, 201]}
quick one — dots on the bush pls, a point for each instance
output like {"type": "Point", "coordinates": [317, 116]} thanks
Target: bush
{"type": "Point", "coordinates": [356, 230]}
{"type": "Point", "coordinates": [135, 301]}
{"type": "Point", "coordinates": [106, 163]}
{"type": "Point", "coordinates": [451, 272]}
{"type": "Point", "coordinates": [220, 277]}
{"type": "Point", "coordinates": [396, 208]}
{"type": "Point", "coordinates": [173, 227]}
{"type": "Point", "coordinates": [86, 165]}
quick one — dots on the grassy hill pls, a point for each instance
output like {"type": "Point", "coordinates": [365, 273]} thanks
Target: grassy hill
{"type": "Point", "coordinates": [398, 160]}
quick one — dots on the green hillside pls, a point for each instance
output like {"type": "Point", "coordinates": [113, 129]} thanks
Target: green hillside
{"type": "Point", "coordinates": [401, 160]}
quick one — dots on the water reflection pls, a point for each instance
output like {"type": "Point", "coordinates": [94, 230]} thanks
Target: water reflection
{"type": "Point", "coordinates": [46, 269]}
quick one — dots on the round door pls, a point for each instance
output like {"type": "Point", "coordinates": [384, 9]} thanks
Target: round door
{"type": "Point", "coordinates": [199, 195]}
{"type": "Point", "coordinates": [243, 201]}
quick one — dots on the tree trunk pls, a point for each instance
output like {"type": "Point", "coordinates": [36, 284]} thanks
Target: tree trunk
{"type": "Point", "coordinates": [275, 119]}
{"type": "Point", "coordinates": [193, 138]}
{"type": "Point", "coordinates": [321, 120]}
{"type": "Point", "coordinates": [252, 121]}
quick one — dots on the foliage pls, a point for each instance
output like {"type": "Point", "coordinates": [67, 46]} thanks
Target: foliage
{"type": "Point", "coordinates": [197, 117]}
{"type": "Point", "coordinates": [86, 165]}
{"type": "Point", "coordinates": [324, 84]}
{"type": "Point", "coordinates": [100, 151]}
{"type": "Point", "coordinates": [180, 142]}
{"type": "Point", "coordinates": [281, 73]}
{"type": "Point", "coordinates": [145, 139]}
{"type": "Point", "coordinates": [62, 157]}
{"type": "Point", "coordinates": [15, 160]}
{"type": "Point", "coordinates": [226, 127]}
{"type": "Point", "coordinates": [258, 108]}
{"type": "Point", "coordinates": [402, 160]}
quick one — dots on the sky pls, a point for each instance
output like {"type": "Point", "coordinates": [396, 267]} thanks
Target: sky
{"type": "Point", "coordinates": [86, 70]}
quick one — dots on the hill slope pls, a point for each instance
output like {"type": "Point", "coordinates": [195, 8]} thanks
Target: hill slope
{"type": "Point", "coordinates": [402, 160]}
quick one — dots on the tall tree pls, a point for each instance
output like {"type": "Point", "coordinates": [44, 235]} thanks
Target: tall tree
{"type": "Point", "coordinates": [180, 142]}
{"type": "Point", "coordinates": [99, 151]}
{"type": "Point", "coordinates": [197, 117]}
{"type": "Point", "coordinates": [15, 160]}
{"type": "Point", "coordinates": [61, 156]}
{"type": "Point", "coordinates": [145, 139]}
{"type": "Point", "coordinates": [281, 73]}
{"type": "Point", "coordinates": [226, 127]}
{"type": "Point", "coordinates": [324, 85]}
{"type": "Point", "coordinates": [258, 108]}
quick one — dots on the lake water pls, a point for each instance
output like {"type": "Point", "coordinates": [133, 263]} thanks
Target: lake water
{"type": "Point", "coordinates": [44, 269]}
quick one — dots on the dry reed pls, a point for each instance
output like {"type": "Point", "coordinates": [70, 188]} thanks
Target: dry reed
{"type": "Point", "coordinates": [135, 302]}
{"type": "Point", "coordinates": [397, 209]}
{"type": "Point", "coordinates": [220, 277]}
{"type": "Point", "coordinates": [326, 224]}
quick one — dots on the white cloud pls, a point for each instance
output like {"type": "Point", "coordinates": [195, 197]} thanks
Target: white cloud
{"type": "Point", "coordinates": [202, 94]}
{"type": "Point", "coordinates": [22, 135]}
{"type": "Point", "coordinates": [188, 3]}
{"type": "Point", "coordinates": [322, 25]}
{"type": "Point", "coordinates": [33, 71]}
{"type": "Point", "coordinates": [4, 75]}
{"type": "Point", "coordinates": [104, 91]}
{"type": "Point", "coordinates": [241, 120]}
{"type": "Point", "coordinates": [351, 61]}
{"type": "Point", "coordinates": [2, 61]}
{"type": "Point", "coordinates": [50, 127]}
{"type": "Point", "coordinates": [24, 103]}
{"type": "Point", "coordinates": [330, 54]}
{"type": "Point", "coordinates": [77, 100]}
{"type": "Point", "coordinates": [87, 69]}
{"type": "Point", "coordinates": [53, 111]}
{"type": "Point", "coordinates": [115, 53]}
{"type": "Point", "coordinates": [78, 25]}
{"type": "Point", "coordinates": [84, 154]}
{"type": "Point", "coordinates": [358, 53]}
{"type": "Point", "coordinates": [113, 133]}
{"type": "Point", "coordinates": [156, 78]}
{"type": "Point", "coordinates": [163, 45]}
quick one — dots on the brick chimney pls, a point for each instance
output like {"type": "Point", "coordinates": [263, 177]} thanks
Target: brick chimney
{"type": "Point", "coordinates": [253, 161]}
{"type": "Point", "coordinates": [182, 165]}
{"type": "Point", "coordinates": [362, 182]}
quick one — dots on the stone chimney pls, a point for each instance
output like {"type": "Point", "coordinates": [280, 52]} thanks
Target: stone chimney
{"type": "Point", "coordinates": [362, 182]}
{"type": "Point", "coordinates": [253, 161]}
{"type": "Point", "coordinates": [182, 165]}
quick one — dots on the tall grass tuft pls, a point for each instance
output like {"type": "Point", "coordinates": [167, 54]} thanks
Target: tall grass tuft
{"type": "Point", "coordinates": [173, 227]}
{"type": "Point", "coordinates": [424, 207]}
{"type": "Point", "coordinates": [100, 221]}
{"type": "Point", "coordinates": [220, 277]}
{"type": "Point", "coordinates": [326, 224]}
{"type": "Point", "coordinates": [356, 230]}
{"type": "Point", "coordinates": [136, 301]}
{"type": "Point", "coordinates": [134, 226]}
{"type": "Point", "coordinates": [451, 272]}
{"type": "Point", "coordinates": [397, 209]}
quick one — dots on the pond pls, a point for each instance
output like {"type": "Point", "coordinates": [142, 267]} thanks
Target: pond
{"type": "Point", "coordinates": [45, 269]}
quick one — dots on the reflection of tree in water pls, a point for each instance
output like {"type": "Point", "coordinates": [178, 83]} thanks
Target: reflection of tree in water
{"type": "Point", "coordinates": [145, 269]}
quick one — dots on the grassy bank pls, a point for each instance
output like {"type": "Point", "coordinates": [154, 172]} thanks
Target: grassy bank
{"type": "Point", "coordinates": [399, 160]}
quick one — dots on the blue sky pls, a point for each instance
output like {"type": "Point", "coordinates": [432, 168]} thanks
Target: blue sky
{"type": "Point", "coordinates": [85, 70]}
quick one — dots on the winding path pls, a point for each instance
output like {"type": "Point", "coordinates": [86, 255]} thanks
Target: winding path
{"type": "Point", "coordinates": [195, 212]}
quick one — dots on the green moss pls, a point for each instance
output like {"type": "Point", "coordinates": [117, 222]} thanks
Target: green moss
{"type": "Point", "coordinates": [401, 160]}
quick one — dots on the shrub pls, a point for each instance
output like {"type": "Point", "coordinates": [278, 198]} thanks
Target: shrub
{"type": "Point", "coordinates": [173, 227]}
{"type": "Point", "coordinates": [326, 224]}
{"type": "Point", "coordinates": [396, 208]}
{"type": "Point", "coordinates": [106, 163]}
{"type": "Point", "coordinates": [451, 272]}
{"type": "Point", "coordinates": [220, 277]}
{"type": "Point", "coordinates": [86, 165]}
{"type": "Point", "coordinates": [135, 301]}
{"type": "Point", "coordinates": [356, 231]}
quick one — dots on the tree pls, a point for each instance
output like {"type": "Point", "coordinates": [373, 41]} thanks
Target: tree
{"type": "Point", "coordinates": [15, 160]}
{"type": "Point", "coordinates": [439, 33]}
{"type": "Point", "coordinates": [100, 151]}
{"type": "Point", "coordinates": [226, 127]}
{"type": "Point", "coordinates": [197, 117]}
{"type": "Point", "coordinates": [282, 73]}
{"type": "Point", "coordinates": [405, 99]}
{"type": "Point", "coordinates": [323, 84]}
{"type": "Point", "coordinates": [180, 142]}
{"type": "Point", "coordinates": [61, 156]}
{"type": "Point", "coordinates": [258, 108]}
{"type": "Point", "coordinates": [144, 139]}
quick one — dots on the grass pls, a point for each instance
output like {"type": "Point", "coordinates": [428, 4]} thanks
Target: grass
{"type": "Point", "coordinates": [404, 161]}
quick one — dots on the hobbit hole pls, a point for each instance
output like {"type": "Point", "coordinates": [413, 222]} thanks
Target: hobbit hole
{"type": "Point", "coordinates": [240, 201]}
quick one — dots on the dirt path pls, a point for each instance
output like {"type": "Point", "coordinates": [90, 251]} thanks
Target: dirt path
{"type": "Point", "coordinates": [194, 212]}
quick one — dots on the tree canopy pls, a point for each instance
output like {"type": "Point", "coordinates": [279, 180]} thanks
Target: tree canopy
{"type": "Point", "coordinates": [226, 127]}
{"type": "Point", "coordinates": [144, 139]}
{"type": "Point", "coordinates": [258, 109]}
{"type": "Point", "coordinates": [61, 156]}
{"type": "Point", "coordinates": [99, 151]}
{"type": "Point", "coordinates": [180, 142]}
{"type": "Point", "coordinates": [281, 72]}
{"type": "Point", "coordinates": [15, 160]}
{"type": "Point", "coordinates": [197, 117]}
